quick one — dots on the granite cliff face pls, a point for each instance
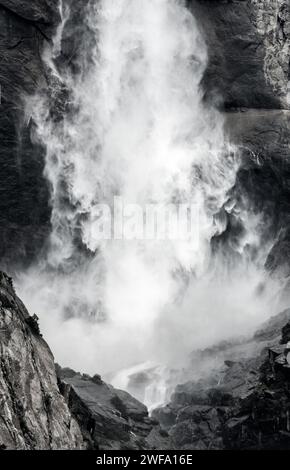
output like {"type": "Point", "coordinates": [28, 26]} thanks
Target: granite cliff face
{"type": "Point", "coordinates": [33, 413]}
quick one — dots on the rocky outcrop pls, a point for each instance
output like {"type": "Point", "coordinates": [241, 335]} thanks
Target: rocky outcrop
{"type": "Point", "coordinates": [33, 413]}
{"type": "Point", "coordinates": [46, 407]}
{"type": "Point", "coordinates": [109, 418]}
{"type": "Point", "coordinates": [244, 404]}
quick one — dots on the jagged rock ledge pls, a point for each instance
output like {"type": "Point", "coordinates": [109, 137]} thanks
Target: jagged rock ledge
{"type": "Point", "coordinates": [109, 418]}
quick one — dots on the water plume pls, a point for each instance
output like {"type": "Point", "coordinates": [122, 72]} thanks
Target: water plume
{"type": "Point", "coordinates": [135, 126]}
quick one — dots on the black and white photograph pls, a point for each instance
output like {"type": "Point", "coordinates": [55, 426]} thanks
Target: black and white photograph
{"type": "Point", "coordinates": [144, 229]}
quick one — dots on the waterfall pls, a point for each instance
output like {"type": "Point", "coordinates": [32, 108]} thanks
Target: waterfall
{"type": "Point", "coordinates": [134, 126]}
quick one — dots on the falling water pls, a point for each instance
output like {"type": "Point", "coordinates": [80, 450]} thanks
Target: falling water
{"type": "Point", "coordinates": [135, 126]}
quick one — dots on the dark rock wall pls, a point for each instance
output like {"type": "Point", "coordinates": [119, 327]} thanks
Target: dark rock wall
{"type": "Point", "coordinates": [248, 43]}
{"type": "Point", "coordinates": [24, 213]}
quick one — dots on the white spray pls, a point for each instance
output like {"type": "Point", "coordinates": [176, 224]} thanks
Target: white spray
{"type": "Point", "coordinates": [138, 129]}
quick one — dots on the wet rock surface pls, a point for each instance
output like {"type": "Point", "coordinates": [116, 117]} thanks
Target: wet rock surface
{"type": "Point", "coordinates": [26, 29]}
{"type": "Point", "coordinates": [24, 214]}
{"type": "Point", "coordinates": [33, 413]}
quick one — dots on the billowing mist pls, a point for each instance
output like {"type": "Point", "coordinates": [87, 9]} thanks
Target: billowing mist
{"type": "Point", "coordinates": [135, 126]}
